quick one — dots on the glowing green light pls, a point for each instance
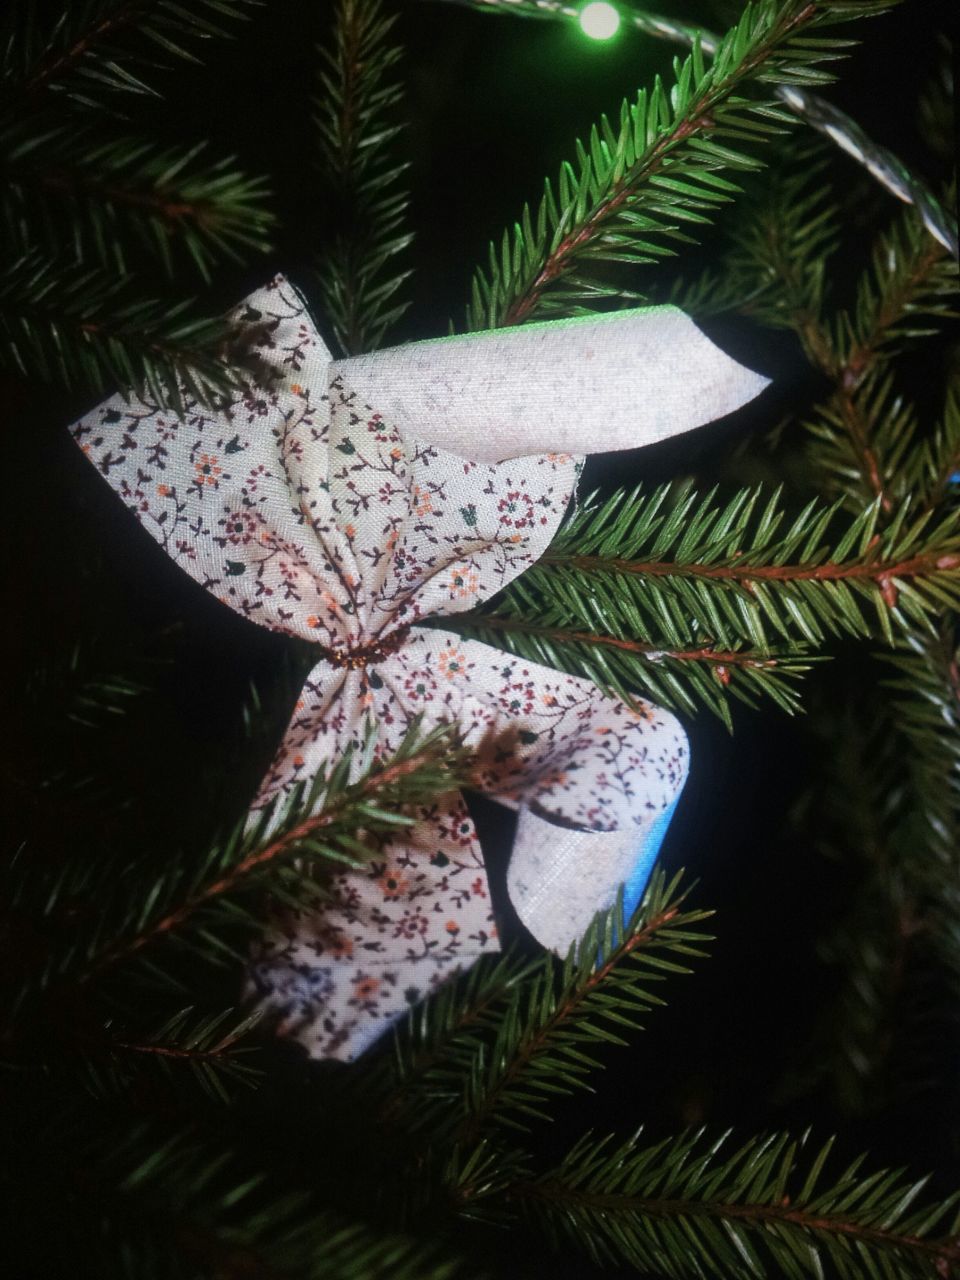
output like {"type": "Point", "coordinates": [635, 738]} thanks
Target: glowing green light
{"type": "Point", "coordinates": [599, 21]}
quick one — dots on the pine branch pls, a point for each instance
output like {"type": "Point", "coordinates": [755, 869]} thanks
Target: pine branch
{"type": "Point", "coordinates": [817, 112]}
{"type": "Point", "coordinates": [683, 1209]}
{"type": "Point", "coordinates": [207, 906]}
{"type": "Point", "coordinates": [91, 46]}
{"type": "Point", "coordinates": [697, 601]}
{"type": "Point", "coordinates": [103, 195]}
{"type": "Point", "coordinates": [434, 1049]}
{"type": "Point", "coordinates": [357, 101]}
{"type": "Point", "coordinates": [781, 261]}
{"type": "Point", "coordinates": [209, 1048]}
{"type": "Point", "coordinates": [82, 328]}
{"type": "Point", "coordinates": [741, 573]}
{"type": "Point", "coordinates": [140, 1199]}
{"type": "Point", "coordinates": [659, 170]}
{"type": "Point", "coordinates": [544, 1035]}
{"type": "Point", "coordinates": [930, 469]}
{"type": "Point", "coordinates": [683, 679]}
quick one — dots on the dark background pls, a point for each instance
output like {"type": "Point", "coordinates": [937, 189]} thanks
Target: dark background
{"type": "Point", "coordinates": [494, 104]}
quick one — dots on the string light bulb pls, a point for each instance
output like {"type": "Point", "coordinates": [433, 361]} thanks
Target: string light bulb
{"type": "Point", "coordinates": [599, 20]}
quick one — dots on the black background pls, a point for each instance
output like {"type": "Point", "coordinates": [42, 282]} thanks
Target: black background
{"type": "Point", "coordinates": [494, 105]}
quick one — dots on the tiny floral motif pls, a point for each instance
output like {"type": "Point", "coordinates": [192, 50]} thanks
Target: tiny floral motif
{"type": "Point", "coordinates": [207, 470]}
{"type": "Point", "coordinates": [451, 663]}
{"type": "Point", "coordinates": [463, 584]}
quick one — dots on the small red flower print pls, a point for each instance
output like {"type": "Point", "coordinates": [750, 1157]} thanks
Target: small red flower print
{"type": "Point", "coordinates": [207, 469]}
{"type": "Point", "coordinates": [422, 502]}
{"type": "Point", "coordinates": [163, 490]}
{"type": "Point", "coordinates": [350, 531]}
{"type": "Point", "coordinates": [516, 510]}
{"type": "Point", "coordinates": [452, 927]}
{"type": "Point", "coordinates": [296, 388]}
{"type": "Point", "coordinates": [364, 987]}
{"type": "Point", "coordinates": [396, 454]}
{"type": "Point", "coordinates": [451, 663]}
{"type": "Point", "coordinates": [392, 884]}
{"type": "Point", "coordinates": [340, 946]}
{"type": "Point", "coordinates": [313, 621]}
{"type": "Point", "coordinates": [419, 687]}
{"type": "Point", "coordinates": [298, 761]}
{"type": "Point", "coordinates": [463, 584]}
{"type": "Point", "coordinates": [477, 887]}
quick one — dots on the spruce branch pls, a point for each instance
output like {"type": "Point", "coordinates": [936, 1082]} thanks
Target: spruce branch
{"type": "Point", "coordinates": [208, 907]}
{"type": "Point", "coordinates": [686, 1210]}
{"type": "Point", "coordinates": [143, 1199]}
{"type": "Point", "coordinates": [355, 107]}
{"type": "Point", "coordinates": [82, 327]}
{"type": "Point", "coordinates": [210, 1048]}
{"type": "Point", "coordinates": [91, 47]}
{"type": "Point", "coordinates": [693, 600]}
{"type": "Point", "coordinates": [659, 170]}
{"type": "Point", "coordinates": [103, 195]}
{"type": "Point", "coordinates": [543, 1037]}
{"type": "Point", "coordinates": [741, 572]}
{"type": "Point", "coordinates": [813, 110]}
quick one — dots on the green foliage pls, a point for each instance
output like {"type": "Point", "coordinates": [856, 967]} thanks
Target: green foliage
{"type": "Point", "coordinates": [684, 1207]}
{"type": "Point", "coordinates": [354, 110]}
{"type": "Point", "coordinates": [87, 203]}
{"type": "Point", "coordinates": [721, 585]}
{"type": "Point", "coordinates": [93, 47]}
{"type": "Point", "coordinates": [658, 173]}
{"type": "Point", "coordinates": [545, 1034]}
{"type": "Point", "coordinates": [85, 328]}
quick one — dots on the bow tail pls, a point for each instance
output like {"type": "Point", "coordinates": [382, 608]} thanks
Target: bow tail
{"type": "Point", "coordinates": [417, 913]}
{"type": "Point", "coordinates": [595, 781]}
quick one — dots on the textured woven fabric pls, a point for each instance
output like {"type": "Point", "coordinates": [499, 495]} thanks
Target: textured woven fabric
{"type": "Point", "coordinates": [341, 502]}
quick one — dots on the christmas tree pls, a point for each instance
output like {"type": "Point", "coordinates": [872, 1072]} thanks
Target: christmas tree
{"type": "Point", "coordinates": [685, 1095]}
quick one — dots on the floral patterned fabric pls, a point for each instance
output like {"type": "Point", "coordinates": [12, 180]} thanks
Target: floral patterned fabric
{"type": "Point", "coordinates": [308, 510]}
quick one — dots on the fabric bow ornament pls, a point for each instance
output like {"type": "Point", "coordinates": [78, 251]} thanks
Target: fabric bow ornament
{"type": "Point", "coordinates": [343, 501]}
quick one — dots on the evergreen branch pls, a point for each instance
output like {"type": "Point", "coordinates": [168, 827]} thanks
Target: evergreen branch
{"type": "Point", "coordinates": [740, 573]}
{"type": "Point", "coordinates": [87, 919]}
{"type": "Point", "coordinates": [683, 679]}
{"type": "Point", "coordinates": [140, 1199]}
{"type": "Point", "coordinates": [658, 170]}
{"type": "Point", "coordinates": [357, 274]}
{"type": "Point", "coordinates": [911, 280]}
{"type": "Point", "coordinates": [780, 264]}
{"type": "Point", "coordinates": [815, 111]}
{"type": "Point", "coordinates": [684, 1209]}
{"type": "Point", "coordinates": [927, 716]}
{"type": "Point", "coordinates": [102, 195]}
{"type": "Point", "coordinates": [85, 51]}
{"type": "Point", "coordinates": [441, 1034]}
{"type": "Point", "coordinates": [930, 469]}
{"type": "Point", "coordinates": [420, 769]}
{"type": "Point", "coordinates": [543, 1036]}
{"type": "Point", "coordinates": [63, 323]}
{"type": "Point", "coordinates": [209, 1047]}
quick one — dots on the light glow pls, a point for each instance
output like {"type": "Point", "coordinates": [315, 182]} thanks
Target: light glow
{"type": "Point", "coordinates": [599, 20]}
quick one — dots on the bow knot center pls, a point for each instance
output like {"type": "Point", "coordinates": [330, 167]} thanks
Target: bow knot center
{"type": "Point", "coordinates": [365, 655]}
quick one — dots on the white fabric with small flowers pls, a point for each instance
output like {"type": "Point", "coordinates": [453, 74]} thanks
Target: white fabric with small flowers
{"type": "Point", "coordinates": [344, 501]}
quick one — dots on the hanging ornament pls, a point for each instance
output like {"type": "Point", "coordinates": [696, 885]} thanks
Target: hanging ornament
{"type": "Point", "coordinates": [345, 501]}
